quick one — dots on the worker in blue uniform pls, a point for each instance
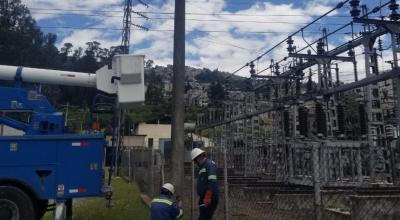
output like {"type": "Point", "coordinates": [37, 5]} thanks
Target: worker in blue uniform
{"type": "Point", "coordinates": [207, 185]}
{"type": "Point", "coordinates": [165, 207]}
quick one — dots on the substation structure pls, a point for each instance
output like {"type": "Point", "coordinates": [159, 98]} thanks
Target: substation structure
{"type": "Point", "coordinates": [303, 128]}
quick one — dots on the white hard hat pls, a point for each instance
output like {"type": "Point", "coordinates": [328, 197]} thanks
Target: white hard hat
{"type": "Point", "coordinates": [169, 187]}
{"type": "Point", "coordinates": [196, 152]}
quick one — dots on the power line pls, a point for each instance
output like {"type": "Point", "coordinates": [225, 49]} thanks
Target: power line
{"type": "Point", "coordinates": [219, 41]}
{"type": "Point", "coordinates": [190, 13]}
{"type": "Point", "coordinates": [189, 19]}
{"type": "Point", "coordinates": [237, 2]}
{"type": "Point", "coordinates": [301, 30]}
{"type": "Point", "coordinates": [170, 30]}
{"type": "Point", "coordinates": [341, 4]}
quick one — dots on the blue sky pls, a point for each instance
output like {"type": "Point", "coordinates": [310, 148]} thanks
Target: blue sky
{"type": "Point", "coordinates": [223, 34]}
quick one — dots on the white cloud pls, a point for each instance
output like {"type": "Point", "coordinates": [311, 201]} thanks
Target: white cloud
{"type": "Point", "coordinates": [226, 50]}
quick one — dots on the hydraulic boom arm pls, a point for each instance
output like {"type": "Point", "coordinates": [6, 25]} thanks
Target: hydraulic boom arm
{"type": "Point", "coordinates": [125, 79]}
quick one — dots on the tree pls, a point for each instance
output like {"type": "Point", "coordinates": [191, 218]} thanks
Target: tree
{"type": "Point", "coordinates": [149, 64]}
{"type": "Point", "coordinates": [50, 53]}
{"type": "Point", "coordinates": [21, 41]}
{"type": "Point", "coordinates": [65, 51]}
{"type": "Point", "coordinates": [155, 89]}
{"type": "Point", "coordinates": [217, 94]}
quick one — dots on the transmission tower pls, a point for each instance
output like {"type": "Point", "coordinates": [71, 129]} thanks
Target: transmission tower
{"type": "Point", "coordinates": [126, 30]}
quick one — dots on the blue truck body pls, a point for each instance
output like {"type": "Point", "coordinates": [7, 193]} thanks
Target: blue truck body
{"type": "Point", "coordinates": [47, 162]}
{"type": "Point", "coordinates": [56, 167]}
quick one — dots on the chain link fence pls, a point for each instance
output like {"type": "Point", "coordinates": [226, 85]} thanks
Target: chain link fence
{"type": "Point", "coordinates": [150, 169]}
{"type": "Point", "coordinates": [316, 180]}
{"type": "Point", "coordinates": [307, 180]}
{"type": "Point", "coordinates": [143, 166]}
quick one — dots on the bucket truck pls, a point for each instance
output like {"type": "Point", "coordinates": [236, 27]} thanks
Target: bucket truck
{"type": "Point", "coordinates": [46, 162]}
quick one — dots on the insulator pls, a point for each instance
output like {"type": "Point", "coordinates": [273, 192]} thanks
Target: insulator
{"type": "Point", "coordinates": [354, 3]}
{"type": "Point", "coordinates": [320, 47]}
{"type": "Point", "coordinates": [309, 84]}
{"type": "Point", "coordinates": [340, 118]}
{"type": "Point", "coordinates": [351, 52]}
{"type": "Point", "coordinates": [290, 49]}
{"type": "Point", "coordinates": [320, 119]}
{"type": "Point", "coordinates": [286, 123]}
{"type": "Point", "coordinates": [277, 72]}
{"type": "Point", "coordinates": [380, 45]}
{"type": "Point", "coordinates": [252, 65]}
{"type": "Point", "coordinates": [303, 120]}
{"type": "Point", "coordinates": [252, 70]}
{"type": "Point", "coordinates": [290, 42]}
{"type": "Point", "coordinates": [394, 16]}
{"type": "Point", "coordinates": [276, 92]}
{"type": "Point", "coordinates": [355, 12]}
{"type": "Point", "coordinates": [309, 52]}
{"type": "Point", "coordinates": [393, 5]}
{"type": "Point", "coordinates": [298, 87]}
{"type": "Point", "coordinates": [363, 120]}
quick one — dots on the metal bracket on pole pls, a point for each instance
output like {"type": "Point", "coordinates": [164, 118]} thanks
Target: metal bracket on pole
{"type": "Point", "coordinates": [316, 57]}
{"type": "Point", "coordinates": [391, 26]}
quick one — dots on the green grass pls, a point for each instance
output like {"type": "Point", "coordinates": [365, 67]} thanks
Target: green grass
{"type": "Point", "coordinates": [126, 200]}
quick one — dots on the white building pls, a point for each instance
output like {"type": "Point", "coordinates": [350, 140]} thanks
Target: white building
{"type": "Point", "coordinates": [131, 141]}
{"type": "Point", "coordinates": [8, 131]}
{"type": "Point", "coordinates": [156, 135]}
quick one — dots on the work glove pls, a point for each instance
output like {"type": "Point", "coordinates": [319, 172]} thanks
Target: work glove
{"type": "Point", "coordinates": [180, 205]}
{"type": "Point", "coordinates": [178, 202]}
{"type": "Point", "coordinates": [207, 198]}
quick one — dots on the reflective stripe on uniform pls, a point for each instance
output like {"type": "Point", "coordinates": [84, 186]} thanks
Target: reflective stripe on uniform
{"type": "Point", "coordinates": [165, 201]}
{"type": "Point", "coordinates": [180, 214]}
{"type": "Point", "coordinates": [202, 171]}
{"type": "Point", "coordinates": [212, 177]}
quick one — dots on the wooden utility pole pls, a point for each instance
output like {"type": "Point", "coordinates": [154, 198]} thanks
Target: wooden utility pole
{"type": "Point", "coordinates": [178, 105]}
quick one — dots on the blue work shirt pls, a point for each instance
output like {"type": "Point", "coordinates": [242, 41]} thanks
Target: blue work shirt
{"type": "Point", "coordinates": [207, 181]}
{"type": "Point", "coordinates": [164, 208]}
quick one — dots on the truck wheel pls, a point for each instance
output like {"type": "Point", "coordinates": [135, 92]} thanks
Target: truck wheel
{"type": "Point", "coordinates": [15, 204]}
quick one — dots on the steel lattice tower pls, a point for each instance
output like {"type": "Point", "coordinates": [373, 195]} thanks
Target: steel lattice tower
{"type": "Point", "coordinates": [126, 31]}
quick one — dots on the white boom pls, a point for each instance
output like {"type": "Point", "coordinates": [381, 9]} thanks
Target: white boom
{"type": "Point", "coordinates": [126, 78]}
{"type": "Point", "coordinates": [34, 75]}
